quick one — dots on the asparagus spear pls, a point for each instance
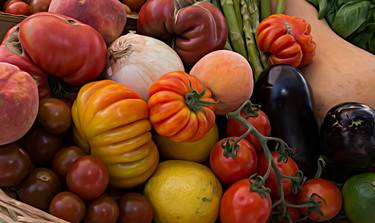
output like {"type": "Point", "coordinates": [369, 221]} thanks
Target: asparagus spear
{"type": "Point", "coordinates": [250, 40]}
{"type": "Point", "coordinates": [235, 32]}
{"type": "Point", "coordinates": [265, 8]}
{"type": "Point", "coordinates": [237, 10]}
{"type": "Point", "coordinates": [254, 14]}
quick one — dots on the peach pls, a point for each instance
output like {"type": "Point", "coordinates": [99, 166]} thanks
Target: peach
{"type": "Point", "coordinates": [108, 17]}
{"type": "Point", "coordinates": [229, 76]}
{"type": "Point", "coordinates": [19, 103]}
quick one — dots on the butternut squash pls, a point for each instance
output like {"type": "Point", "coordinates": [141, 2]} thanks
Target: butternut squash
{"type": "Point", "coordinates": [340, 71]}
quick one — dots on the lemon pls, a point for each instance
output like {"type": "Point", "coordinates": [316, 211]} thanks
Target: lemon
{"type": "Point", "coordinates": [184, 192]}
{"type": "Point", "coordinates": [197, 151]}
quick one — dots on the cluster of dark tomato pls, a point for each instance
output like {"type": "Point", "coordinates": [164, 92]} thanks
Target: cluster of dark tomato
{"type": "Point", "coordinates": [44, 169]}
{"type": "Point", "coordinates": [25, 7]}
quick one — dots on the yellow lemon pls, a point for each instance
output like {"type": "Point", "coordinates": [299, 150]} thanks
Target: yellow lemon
{"type": "Point", "coordinates": [184, 192]}
{"type": "Point", "coordinates": [197, 151]}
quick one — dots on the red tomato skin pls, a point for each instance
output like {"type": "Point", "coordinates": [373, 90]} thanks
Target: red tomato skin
{"type": "Point", "coordinates": [289, 168]}
{"type": "Point", "coordinates": [330, 206]}
{"type": "Point", "coordinates": [240, 205]}
{"type": "Point", "coordinates": [230, 170]}
{"type": "Point", "coordinates": [260, 122]}
{"type": "Point", "coordinates": [63, 47]}
{"type": "Point", "coordinates": [87, 177]}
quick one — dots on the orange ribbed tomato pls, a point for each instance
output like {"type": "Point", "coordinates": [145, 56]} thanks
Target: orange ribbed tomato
{"type": "Point", "coordinates": [287, 39]}
{"type": "Point", "coordinates": [111, 120]}
{"type": "Point", "coordinates": [181, 107]}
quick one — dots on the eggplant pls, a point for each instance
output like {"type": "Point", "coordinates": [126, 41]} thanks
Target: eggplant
{"type": "Point", "coordinates": [348, 140]}
{"type": "Point", "coordinates": [284, 95]}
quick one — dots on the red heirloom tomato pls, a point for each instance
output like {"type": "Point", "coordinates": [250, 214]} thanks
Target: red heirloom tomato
{"type": "Point", "coordinates": [63, 47]}
{"type": "Point", "coordinates": [87, 177]}
{"type": "Point", "coordinates": [329, 197]}
{"type": "Point", "coordinates": [102, 210]}
{"type": "Point", "coordinates": [67, 206]}
{"type": "Point", "coordinates": [198, 28]}
{"type": "Point", "coordinates": [289, 168]}
{"type": "Point", "coordinates": [241, 205]}
{"type": "Point", "coordinates": [178, 107]}
{"type": "Point", "coordinates": [288, 40]}
{"type": "Point", "coordinates": [11, 52]}
{"type": "Point", "coordinates": [230, 170]}
{"type": "Point", "coordinates": [260, 122]}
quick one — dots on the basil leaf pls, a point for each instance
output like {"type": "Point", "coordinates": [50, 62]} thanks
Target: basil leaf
{"type": "Point", "coordinates": [314, 2]}
{"type": "Point", "coordinates": [323, 8]}
{"type": "Point", "coordinates": [350, 17]}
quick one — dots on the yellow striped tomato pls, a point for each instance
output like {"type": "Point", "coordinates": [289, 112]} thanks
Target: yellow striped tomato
{"type": "Point", "coordinates": [111, 121]}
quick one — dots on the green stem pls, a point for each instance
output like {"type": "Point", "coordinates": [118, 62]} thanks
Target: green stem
{"type": "Point", "coordinates": [216, 3]}
{"type": "Point", "coordinates": [265, 8]}
{"type": "Point", "coordinates": [227, 45]}
{"type": "Point", "coordinates": [235, 32]}
{"type": "Point", "coordinates": [321, 165]}
{"type": "Point", "coordinates": [253, 54]}
{"type": "Point", "coordinates": [280, 7]}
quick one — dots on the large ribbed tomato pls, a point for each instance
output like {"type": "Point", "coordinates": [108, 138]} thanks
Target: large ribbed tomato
{"type": "Point", "coordinates": [111, 120]}
{"type": "Point", "coordinates": [181, 107]}
{"type": "Point", "coordinates": [287, 39]}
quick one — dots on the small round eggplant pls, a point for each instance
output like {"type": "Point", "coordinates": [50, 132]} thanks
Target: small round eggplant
{"type": "Point", "coordinates": [285, 97]}
{"type": "Point", "coordinates": [348, 140]}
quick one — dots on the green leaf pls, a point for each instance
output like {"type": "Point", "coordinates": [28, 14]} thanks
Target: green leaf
{"type": "Point", "coordinates": [323, 8]}
{"type": "Point", "coordinates": [350, 17]}
{"type": "Point", "coordinates": [314, 2]}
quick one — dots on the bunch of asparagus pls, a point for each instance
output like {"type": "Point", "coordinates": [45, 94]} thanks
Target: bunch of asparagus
{"type": "Point", "coordinates": [243, 17]}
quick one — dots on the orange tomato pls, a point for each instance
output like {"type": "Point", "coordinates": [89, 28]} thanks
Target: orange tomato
{"type": "Point", "coordinates": [287, 39]}
{"type": "Point", "coordinates": [181, 107]}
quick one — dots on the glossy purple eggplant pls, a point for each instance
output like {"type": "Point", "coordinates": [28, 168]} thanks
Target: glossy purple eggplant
{"type": "Point", "coordinates": [285, 97]}
{"type": "Point", "coordinates": [348, 140]}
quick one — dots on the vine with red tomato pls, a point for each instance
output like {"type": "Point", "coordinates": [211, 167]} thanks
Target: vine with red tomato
{"type": "Point", "coordinates": [280, 207]}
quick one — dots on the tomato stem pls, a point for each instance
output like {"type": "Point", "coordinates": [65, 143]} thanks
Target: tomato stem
{"type": "Point", "coordinates": [321, 164]}
{"type": "Point", "coordinates": [284, 152]}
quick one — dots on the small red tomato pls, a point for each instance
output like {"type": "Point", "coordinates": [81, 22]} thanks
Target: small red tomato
{"type": "Point", "coordinates": [135, 208]}
{"type": "Point", "coordinates": [87, 177]}
{"type": "Point", "coordinates": [102, 210]}
{"type": "Point", "coordinates": [230, 170]}
{"type": "Point", "coordinates": [64, 158]}
{"type": "Point", "coordinates": [8, 2]}
{"type": "Point", "coordinates": [18, 8]}
{"type": "Point", "coordinates": [67, 206]}
{"type": "Point", "coordinates": [330, 199]}
{"type": "Point", "coordinates": [289, 168]}
{"type": "Point", "coordinates": [260, 123]}
{"type": "Point", "coordinates": [241, 205]}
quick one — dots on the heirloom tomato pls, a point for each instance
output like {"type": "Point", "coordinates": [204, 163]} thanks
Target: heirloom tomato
{"type": "Point", "coordinates": [18, 8]}
{"type": "Point", "coordinates": [260, 123]}
{"type": "Point", "coordinates": [63, 47]}
{"type": "Point", "coordinates": [232, 169]}
{"type": "Point", "coordinates": [111, 121]}
{"type": "Point", "coordinates": [15, 164]}
{"type": "Point", "coordinates": [326, 193]}
{"type": "Point", "coordinates": [195, 27]}
{"type": "Point", "coordinates": [181, 107]}
{"type": "Point", "coordinates": [87, 177]}
{"type": "Point", "coordinates": [241, 205]}
{"type": "Point", "coordinates": [11, 52]}
{"type": "Point", "coordinates": [68, 206]}
{"type": "Point", "coordinates": [39, 187]}
{"type": "Point", "coordinates": [288, 168]}
{"type": "Point", "coordinates": [287, 39]}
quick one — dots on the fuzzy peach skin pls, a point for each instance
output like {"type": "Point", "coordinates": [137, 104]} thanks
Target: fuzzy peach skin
{"type": "Point", "coordinates": [19, 103]}
{"type": "Point", "coordinates": [229, 76]}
